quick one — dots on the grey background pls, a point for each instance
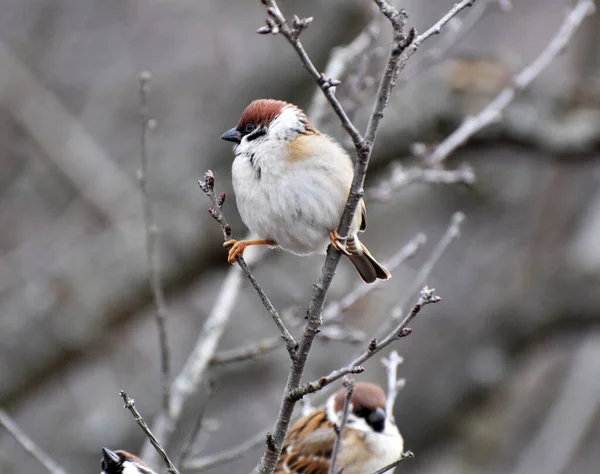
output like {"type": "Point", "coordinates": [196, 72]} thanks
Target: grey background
{"type": "Point", "coordinates": [502, 373]}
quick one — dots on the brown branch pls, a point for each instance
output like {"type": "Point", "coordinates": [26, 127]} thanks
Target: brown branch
{"type": "Point", "coordinates": [152, 243]}
{"type": "Point", "coordinates": [29, 445]}
{"type": "Point", "coordinates": [276, 23]}
{"type": "Point", "coordinates": [492, 112]}
{"type": "Point", "coordinates": [427, 296]}
{"type": "Point", "coordinates": [349, 386]}
{"type": "Point", "coordinates": [208, 187]}
{"type": "Point", "coordinates": [130, 405]}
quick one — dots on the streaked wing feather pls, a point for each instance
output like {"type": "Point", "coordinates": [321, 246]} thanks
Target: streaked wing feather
{"type": "Point", "coordinates": [307, 448]}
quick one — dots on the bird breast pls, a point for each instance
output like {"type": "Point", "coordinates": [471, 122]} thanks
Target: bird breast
{"type": "Point", "coordinates": [297, 200]}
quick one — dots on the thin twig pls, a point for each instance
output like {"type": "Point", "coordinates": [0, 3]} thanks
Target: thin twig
{"type": "Point", "coordinates": [427, 296]}
{"type": "Point", "coordinates": [152, 243]}
{"type": "Point", "coordinates": [206, 462]}
{"type": "Point", "coordinates": [187, 448]}
{"type": "Point", "coordinates": [208, 187]}
{"type": "Point", "coordinates": [451, 39]}
{"type": "Point", "coordinates": [493, 111]}
{"type": "Point", "coordinates": [349, 386]}
{"type": "Point", "coordinates": [389, 467]}
{"type": "Point", "coordinates": [394, 384]}
{"type": "Point", "coordinates": [246, 353]}
{"type": "Point", "coordinates": [29, 445]}
{"type": "Point", "coordinates": [336, 308]}
{"type": "Point", "coordinates": [188, 381]}
{"type": "Point", "coordinates": [130, 405]}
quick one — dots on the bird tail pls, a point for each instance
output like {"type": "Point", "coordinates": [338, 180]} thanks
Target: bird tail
{"type": "Point", "coordinates": [367, 267]}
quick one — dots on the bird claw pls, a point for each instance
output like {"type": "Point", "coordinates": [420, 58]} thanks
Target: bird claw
{"type": "Point", "coordinates": [237, 248]}
{"type": "Point", "coordinates": [336, 242]}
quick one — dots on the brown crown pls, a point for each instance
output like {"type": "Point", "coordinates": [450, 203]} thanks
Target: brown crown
{"type": "Point", "coordinates": [124, 455]}
{"type": "Point", "coordinates": [261, 112]}
{"type": "Point", "coordinates": [365, 395]}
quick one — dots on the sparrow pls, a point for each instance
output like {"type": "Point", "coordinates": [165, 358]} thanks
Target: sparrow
{"type": "Point", "coordinates": [122, 462]}
{"type": "Point", "coordinates": [291, 184]}
{"type": "Point", "coordinates": [370, 440]}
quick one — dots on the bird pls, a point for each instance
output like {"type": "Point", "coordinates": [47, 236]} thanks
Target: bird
{"type": "Point", "coordinates": [291, 184]}
{"type": "Point", "coordinates": [369, 442]}
{"type": "Point", "coordinates": [122, 462]}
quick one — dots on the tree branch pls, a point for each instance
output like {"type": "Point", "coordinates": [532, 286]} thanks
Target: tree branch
{"type": "Point", "coordinates": [208, 187]}
{"type": "Point", "coordinates": [130, 405]}
{"type": "Point", "coordinates": [245, 353]}
{"type": "Point", "coordinates": [152, 248]}
{"type": "Point", "coordinates": [394, 384]}
{"type": "Point", "coordinates": [492, 112]}
{"type": "Point", "coordinates": [349, 386]}
{"type": "Point", "coordinates": [29, 445]}
{"type": "Point", "coordinates": [389, 467]}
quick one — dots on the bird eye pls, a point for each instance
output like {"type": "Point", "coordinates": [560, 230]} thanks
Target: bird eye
{"type": "Point", "coordinates": [249, 127]}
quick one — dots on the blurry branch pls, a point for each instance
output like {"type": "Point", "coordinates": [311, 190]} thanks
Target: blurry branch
{"type": "Point", "coordinates": [152, 243]}
{"type": "Point", "coordinates": [67, 144]}
{"type": "Point", "coordinates": [394, 384]}
{"type": "Point", "coordinates": [457, 30]}
{"type": "Point", "coordinates": [452, 233]}
{"type": "Point", "coordinates": [28, 444]}
{"type": "Point", "coordinates": [208, 187]}
{"type": "Point", "coordinates": [188, 381]}
{"type": "Point", "coordinates": [130, 405]}
{"type": "Point", "coordinates": [389, 467]}
{"type": "Point", "coordinates": [245, 353]}
{"type": "Point", "coordinates": [401, 43]}
{"type": "Point", "coordinates": [571, 416]}
{"type": "Point", "coordinates": [349, 386]}
{"type": "Point", "coordinates": [493, 111]}
{"type": "Point", "coordinates": [398, 177]}
{"type": "Point", "coordinates": [206, 462]}
{"type": "Point", "coordinates": [187, 447]}
{"type": "Point", "coordinates": [336, 308]}
{"type": "Point", "coordinates": [340, 60]}
{"type": "Point", "coordinates": [426, 297]}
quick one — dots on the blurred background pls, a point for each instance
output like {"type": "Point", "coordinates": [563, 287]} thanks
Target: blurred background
{"type": "Point", "coordinates": [502, 376]}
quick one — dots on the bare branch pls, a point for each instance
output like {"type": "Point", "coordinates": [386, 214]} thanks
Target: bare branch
{"type": "Point", "coordinates": [389, 467]}
{"type": "Point", "coordinates": [401, 330]}
{"type": "Point", "coordinates": [336, 308]}
{"type": "Point", "coordinates": [400, 177]}
{"type": "Point", "coordinates": [152, 244]}
{"type": "Point", "coordinates": [187, 447]}
{"type": "Point", "coordinates": [349, 386]}
{"type": "Point", "coordinates": [188, 381]}
{"type": "Point", "coordinates": [246, 353]}
{"type": "Point", "coordinates": [394, 384]}
{"type": "Point", "coordinates": [206, 462]}
{"type": "Point", "coordinates": [29, 445]}
{"type": "Point", "coordinates": [130, 405]}
{"type": "Point", "coordinates": [208, 186]}
{"type": "Point", "coordinates": [493, 111]}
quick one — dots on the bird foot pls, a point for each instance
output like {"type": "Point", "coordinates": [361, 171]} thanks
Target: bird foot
{"type": "Point", "coordinates": [338, 242]}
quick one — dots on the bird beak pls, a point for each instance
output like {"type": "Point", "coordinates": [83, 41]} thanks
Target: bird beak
{"type": "Point", "coordinates": [232, 136]}
{"type": "Point", "coordinates": [110, 457]}
{"type": "Point", "coordinates": [377, 419]}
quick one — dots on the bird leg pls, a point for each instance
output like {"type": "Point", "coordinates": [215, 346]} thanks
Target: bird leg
{"type": "Point", "coordinates": [336, 242]}
{"type": "Point", "coordinates": [238, 247]}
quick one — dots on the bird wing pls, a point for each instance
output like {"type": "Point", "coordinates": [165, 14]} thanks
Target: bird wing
{"type": "Point", "coordinates": [363, 214]}
{"type": "Point", "coordinates": [308, 446]}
